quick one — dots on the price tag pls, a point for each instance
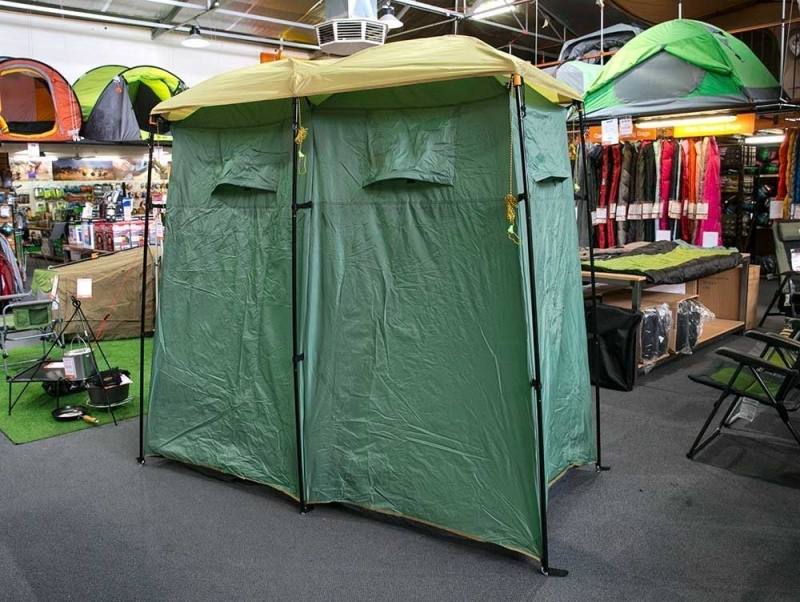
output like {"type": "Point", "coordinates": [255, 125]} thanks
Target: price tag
{"type": "Point", "coordinates": [626, 126]}
{"type": "Point", "coordinates": [663, 234]}
{"type": "Point", "coordinates": [658, 208]}
{"type": "Point", "coordinates": [675, 209]}
{"type": "Point", "coordinates": [710, 239]}
{"type": "Point", "coordinates": [635, 211]}
{"type": "Point", "coordinates": [795, 211]}
{"type": "Point", "coordinates": [600, 216]}
{"type": "Point", "coordinates": [775, 209]}
{"type": "Point", "coordinates": [648, 209]}
{"type": "Point", "coordinates": [609, 132]}
{"type": "Point", "coordinates": [701, 210]}
{"type": "Point", "coordinates": [622, 212]}
{"type": "Point", "coordinates": [612, 210]}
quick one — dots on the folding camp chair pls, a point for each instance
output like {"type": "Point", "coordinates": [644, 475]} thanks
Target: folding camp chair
{"type": "Point", "coordinates": [29, 316]}
{"type": "Point", "coordinates": [787, 244]}
{"type": "Point", "coordinates": [768, 378]}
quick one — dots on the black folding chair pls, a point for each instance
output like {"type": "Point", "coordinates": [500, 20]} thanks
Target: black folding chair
{"type": "Point", "coordinates": [787, 245]}
{"type": "Point", "coordinates": [768, 378]}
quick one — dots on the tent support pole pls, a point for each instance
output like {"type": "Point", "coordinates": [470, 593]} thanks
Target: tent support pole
{"type": "Point", "coordinates": [536, 383]}
{"type": "Point", "coordinates": [296, 357]}
{"type": "Point", "coordinates": [598, 465]}
{"type": "Point", "coordinates": [148, 200]}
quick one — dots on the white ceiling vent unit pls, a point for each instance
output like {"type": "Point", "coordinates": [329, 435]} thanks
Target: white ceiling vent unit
{"type": "Point", "coordinates": [350, 26]}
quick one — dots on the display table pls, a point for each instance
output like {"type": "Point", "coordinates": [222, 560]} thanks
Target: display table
{"type": "Point", "coordinates": [730, 294]}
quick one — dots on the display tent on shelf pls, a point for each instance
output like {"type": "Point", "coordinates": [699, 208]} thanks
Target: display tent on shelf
{"type": "Point", "coordinates": [116, 101]}
{"type": "Point", "coordinates": [577, 74]}
{"type": "Point", "coordinates": [36, 103]}
{"type": "Point", "coordinates": [357, 289]}
{"type": "Point", "coordinates": [680, 66]}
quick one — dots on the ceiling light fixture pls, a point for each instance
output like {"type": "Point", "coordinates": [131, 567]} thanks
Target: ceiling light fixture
{"type": "Point", "coordinates": [194, 39]}
{"type": "Point", "coordinates": [668, 122]}
{"type": "Point", "coordinates": [491, 8]}
{"type": "Point", "coordinates": [773, 139]}
{"type": "Point", "coordinates": [387, 17]}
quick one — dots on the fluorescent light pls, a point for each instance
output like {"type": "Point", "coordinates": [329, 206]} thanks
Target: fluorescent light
{"type": "Point", "coordinates": [195, 40]}
{"type": "Point", "coordinates": [773, 139]}
{"type": "Point", "coordinates": [491, 8]}
{"type": "Point", "coordinates": [676, 121]}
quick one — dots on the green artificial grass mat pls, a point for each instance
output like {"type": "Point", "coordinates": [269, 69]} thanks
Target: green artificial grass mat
{"type": "Point", "coordinates": [31, 419]}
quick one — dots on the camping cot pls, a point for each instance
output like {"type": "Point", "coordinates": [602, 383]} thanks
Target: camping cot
{"type": "Point", "coordinates": [344, 315]}
{"type": "Point", "coordinates": [36, 103]}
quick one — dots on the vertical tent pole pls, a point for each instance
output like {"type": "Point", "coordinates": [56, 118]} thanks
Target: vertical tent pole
{"type": "Point", "coordinates": [537, 383]}
{"type": "Point", "coordinates": [595, 340]}
{"type": "Point", "coordinates": [147, 204]}
{"type": "Point", "coordinates": [296, 357]}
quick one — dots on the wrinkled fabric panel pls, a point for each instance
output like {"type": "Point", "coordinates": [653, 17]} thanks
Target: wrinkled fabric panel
{"type": "Point", "coordinates": [221, 393]}
{"type": "Point", "coordinates": [417, 398]}
{"type": "Point", "coordinates": [413, 144]}
{"type": "Point", "coordinates": [566, 391]}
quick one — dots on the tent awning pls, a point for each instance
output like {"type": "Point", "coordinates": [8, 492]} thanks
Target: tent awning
{"type": "Point", "coordinates": [396, 64]}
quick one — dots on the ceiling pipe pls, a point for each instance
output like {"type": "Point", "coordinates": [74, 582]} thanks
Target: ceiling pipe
{"type": "Point", "coordinates": [212, 5]}
{"type": "Point", "coordinates": [104, 18]}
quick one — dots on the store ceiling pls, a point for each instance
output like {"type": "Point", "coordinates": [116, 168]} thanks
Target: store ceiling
{"type": "Point", "coordinates": [567, 18]}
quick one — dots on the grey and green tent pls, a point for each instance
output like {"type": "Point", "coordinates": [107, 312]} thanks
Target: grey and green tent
{"type": "Point", "coordinates": [390, 331]}
{"type": "Point", "coordinates": [116, 101]}
{"type": "Point", "coordinates": [680, 66]}
{"type": "Point", "coordinates": [576, 74]}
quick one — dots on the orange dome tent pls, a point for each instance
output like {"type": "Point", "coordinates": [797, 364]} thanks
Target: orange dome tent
{"type": "Point", "coordinates": [36, 103]}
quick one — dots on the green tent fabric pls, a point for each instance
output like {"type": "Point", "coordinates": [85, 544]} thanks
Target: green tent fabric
{"type": "Point", "coordinates": [116, 101]}
{"type": "Point", "coordinates": [680, 65]}
{"type": "Point", "coordinates": [415, 379]}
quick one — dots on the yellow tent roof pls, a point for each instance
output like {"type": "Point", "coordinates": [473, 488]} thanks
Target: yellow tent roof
{"type": "Point", "coordinates": [395, 64]}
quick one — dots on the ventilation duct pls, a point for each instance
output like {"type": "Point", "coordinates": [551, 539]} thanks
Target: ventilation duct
{"type": "Point", "coordinates": [350, 26]}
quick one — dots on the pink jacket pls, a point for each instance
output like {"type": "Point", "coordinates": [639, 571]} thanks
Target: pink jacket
{"type": "Point", "coordinates": [711, 193]}
{"type": "Point", "coordinates": [667, 155]}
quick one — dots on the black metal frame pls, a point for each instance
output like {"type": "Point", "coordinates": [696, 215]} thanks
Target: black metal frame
{"type": "Point", "coordinates": [148, 203]}
{"type": "Point", "coordinates": [598, 465]}
{"type": "Point", "coordinates": [296, 357]}
{"type": "Point", "coordinates": [785, 281]}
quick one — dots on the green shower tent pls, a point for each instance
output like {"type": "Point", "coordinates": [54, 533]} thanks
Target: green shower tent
{"type": "Point", "coordinates": [386, 327]}
{"type": "Point", "coordinates": [116, 101]}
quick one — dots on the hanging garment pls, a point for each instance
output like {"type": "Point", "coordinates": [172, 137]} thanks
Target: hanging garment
{"type": "Point", "coordinates": [652, 154]}
{"type": "Point", "coordinates": [603, 196]}
{"type": "Point", "coordinates": [635, 224]}
{"type": "Point", "coordinates": [624, 195]}
{"type": "Point", "coordinates": [782, 157]}
{"type": "Point", "coordinates": [795, 166]}
{"type": "Point", "coordinates": [616, 163]}
{"type": "Point", "coordinates": [689, 187]}
{"type": "Point", "coordinates": [581, 180]}
{"type": "Point", "coordinates": [11, 258]}
{"type": "Point", "coordinates": [675, 190]}
{"type": "Point", "coordinates": [665, 182]}
{"type": "Point", "coordinates": [711, 193]}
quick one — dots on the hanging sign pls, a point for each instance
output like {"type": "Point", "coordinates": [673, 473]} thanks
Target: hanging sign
{"type": "Point", "coordinates": [744, 123]}
{"type": "Point", "coordinates": [610, 131]}
{"type": "Point", "coordinates": [626, 126]}
{"type": "Point", "coordinates": [775, 209]}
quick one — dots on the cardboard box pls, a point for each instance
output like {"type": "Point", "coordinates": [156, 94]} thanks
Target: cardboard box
{"type": "Point", "coordinates": [753, 285]}
{"type": "Point", "coordinates": [720, 293]}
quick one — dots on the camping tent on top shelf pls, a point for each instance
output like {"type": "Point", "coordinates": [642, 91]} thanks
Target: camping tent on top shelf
{"type": "Point", "coordinates": [577, 74]}
{"type": "Point", "coordinates": [116, 101]}
{"type": "Point", "coordinates": [680, 66]}
{"type": "Point", "coordinates": [413, 358]}
{"type": "Point", "coordinates": [36, 103]}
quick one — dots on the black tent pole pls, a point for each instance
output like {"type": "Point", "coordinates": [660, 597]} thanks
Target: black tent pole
{"type": "Point", "coordinates": [296, 357]}
{"type": "Point", "coordinates": [537, 383]}
{"type": "Point", "coordinates": [598, 465]}
{"type": "Point", "coordinates": [147, 204]}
